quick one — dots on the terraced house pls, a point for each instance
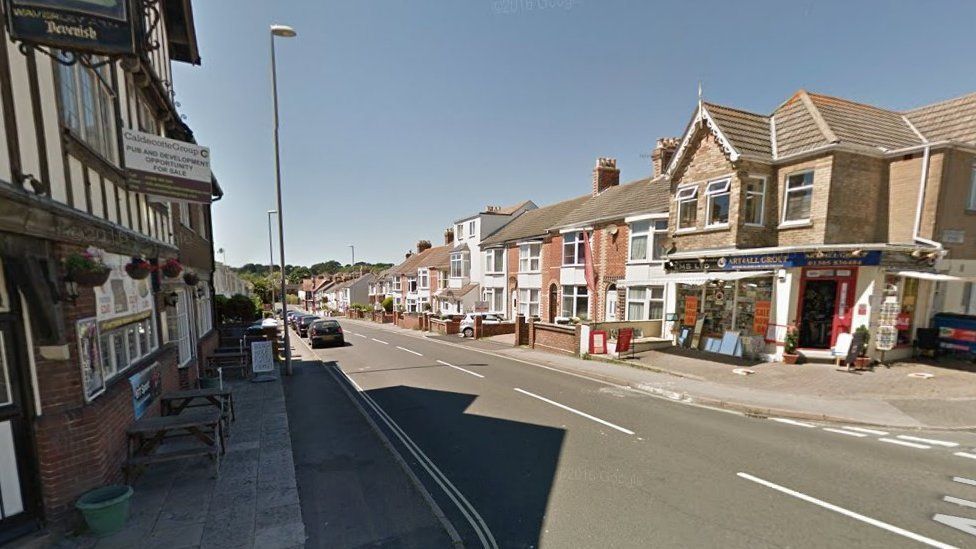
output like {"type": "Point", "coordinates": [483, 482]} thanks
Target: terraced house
{"type": "Point", "coordinates": [84, 317]}
{"type": "Point", "coordinates": [820, 215]}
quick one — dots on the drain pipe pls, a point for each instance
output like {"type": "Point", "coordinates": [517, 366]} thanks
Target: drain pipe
{"type": "Point", "coordinates": [921, 202]}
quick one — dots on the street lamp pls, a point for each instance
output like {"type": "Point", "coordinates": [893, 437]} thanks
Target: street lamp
{"type": "Point", "coordinates": [282, 31]}
{"type": "Point", "coordinates": [353, 248]}
{"type": "Point", "coordinates": [271, 258]}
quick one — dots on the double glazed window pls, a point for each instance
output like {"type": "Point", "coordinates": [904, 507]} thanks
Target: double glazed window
{"type": "Point", "coordinates": [972, 189]}
{"type": "Point", "coordinates": [647, 239]}
{"type": "Point", "coordinates": [423, 276]}
{"type": "Point", "coordinates": [441, 278]}
{"type": "Point", "coordinates": [687, 199]}
{"type": "Point", "coordinates": [576, 301]}
{"type": "Point", "coordinates": [529, 257]}
{"type": "Point", "coordinates": [495, 260]}
{"type": "Point", "coordinates": [121, 347]}
{"type": "Point", "coordinates": [645, 303]}
{"type": "Point", "coordinates": [799, 197]}
{"type": "Point", "coordinates": [411, 284]}
{"type": "Point", "coordinates": [396, 283]}
{"type": "Point", "coordinates": [179, 328]}
{"type": "Point", "coordinates": [88, 107]}
{"type": "Point", "coordinates": [460, 264]}
{"type": "Point", "coordinates": [754, 193]}
{"type": "Point", "coordinates": [718, 196]}
{"type": "Point", "coordinates": [573, 248]}
{"type": "Point", "coordinates": [496, 299]}
{"type": "Point", "coordinates": [528, 302]}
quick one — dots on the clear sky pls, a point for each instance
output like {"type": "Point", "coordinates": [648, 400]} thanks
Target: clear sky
{"type": "Point", "coordinates": [399, 116]}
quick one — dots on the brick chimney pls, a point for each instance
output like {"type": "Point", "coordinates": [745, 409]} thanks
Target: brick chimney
{"type": "Point", "coordinates": [423, 245]}
{"type": "Point", "coordinates": [663, 153]}
{"type": "Point", "coordinates": [408, 254]}
{"type": "Point", "coordinates": [605, 174]}
{"type": "Point", "coordinates": [448, 237]}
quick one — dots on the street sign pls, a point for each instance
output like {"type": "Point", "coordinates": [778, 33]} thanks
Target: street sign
{"type": "Point", "coordinates": [262, 359]}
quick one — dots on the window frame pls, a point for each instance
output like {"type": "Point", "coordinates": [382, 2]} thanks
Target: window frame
{"type": "Point", "coordinates": [412, 284]}
{"type": "Point", "coordinates": [972, 188]}
{"type": "Point", "coordinates": [645, 302]}
{"type": "Point", "coordinates": [490, 295]}
{"type": "Point", "coordinates": [787, 191]}
{"type": "Point", "coordinates": [579, 292]}
{"type": "Point", "coordinates": [423, 278]}
{"type": "Point", "coordinates": [711, 195]}
{"type": "Point", "coordinates": [526, 258]}
{"type": "Point", "coordinates": [471, 228]}
{"type": "Point", "coordinates": [686, 195]}
{"type": "Point", "coordinates": [526, 304]}
{"type": "Point", "coordinates": [578, 244]}
{"type": "Point", "coordinates": [442, 277]}
{"type": "Point", "coordinates": [463, 260]}
{"type": "Point", "coordinates": [397, 284]}
{"type": "Point", "coordinates": [99, 84]}
{"type": "Point", "coordinates": [491, 256]}
{"type": "Point", "coordinates": [746, 193]}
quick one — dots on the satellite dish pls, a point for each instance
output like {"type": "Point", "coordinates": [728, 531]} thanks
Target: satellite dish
{"type": "Point", "coordinates": [613, 230]}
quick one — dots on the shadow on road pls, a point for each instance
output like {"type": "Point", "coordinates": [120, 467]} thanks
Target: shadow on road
{"type": "Point", "coordinates": [504, 468]}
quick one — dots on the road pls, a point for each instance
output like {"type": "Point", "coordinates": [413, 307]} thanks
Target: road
{"type": "Point", "coordinates": [521, 455]}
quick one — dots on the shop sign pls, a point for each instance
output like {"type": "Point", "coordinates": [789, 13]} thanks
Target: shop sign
{"type": "Point", "coordinates": [89, 26]}
{"type": "Point", "coordinates": [146, 387]}
{"type": "Point", "coordinates": [953, 236]}
{"type": "Point", "coordinates": [760, 320]}
{"type": "Point", "coordinates": [262, 359]}
{"type": "Point", "coordinates": [122, 299]}
{"type": "Point", "coordinates": [763, 262]}
{"type": "Point", "coordinates": [167, 168]}
{"type": "Point", "coordinates": [691, 310]}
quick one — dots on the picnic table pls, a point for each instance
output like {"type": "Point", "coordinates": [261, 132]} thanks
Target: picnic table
{"type": "Point", "coordinates": [229, 360]}
{"type": "Point", "coordinates": [173, 404]}
{"type": "Point", "coordinates": [205, 427]}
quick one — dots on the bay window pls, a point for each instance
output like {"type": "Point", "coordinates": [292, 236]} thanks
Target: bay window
{"type": "Point", "coordinates": [687, 199]}
{"type": "Point", "coordinates": [576, 301]}
{"type": "Point", "coordinates": [441, 278]}
{"type": "Point", "coordinates": [529, 257]}
{"type": "Point", "coordinates": [122, 346]}
{"type": "Point", "coordinates": [495, 260]}
{"type": "Point", "coordinates": [573, 248]}
{"type": "Point", "coordinates": [495, 297]}
{"type": "Point", "coordinates": [460, 264]}
{"type": "Point", "coordinates": [754, 197]}
{"type": "Point", "coordinates": [88, 107]}
{"type": "Point", "coordinates": [717, 196]}
{"type": "Point", "coordinates": [647, 238]}
{"type": "Point", "coordinates": [645, 303]}
{"type": "Point", "coordinates": [528, 304]}
{"type": "Point", "coordinates": [798, 199]}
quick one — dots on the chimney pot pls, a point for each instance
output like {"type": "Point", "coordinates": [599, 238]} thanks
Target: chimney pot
{"type": "Point", "coordinates": [605, 174]}
{"type": "Point", "coordinates": [448, 237]}
{"type": "Point", "coordinates": [663, 153]}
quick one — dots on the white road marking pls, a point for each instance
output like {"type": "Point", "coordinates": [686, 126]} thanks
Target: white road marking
{"type": "Point", "coordinates": [843, 432]}
{"type": "Point", "coordinates": [965, 455]}
{"type": "Point", "coordinates": [967, 525]}
{"type": "Point", "coordinates": [792, 422]}
{"type": "Point", "coordinates": [575, 411]}
{"type": "Point", "coordinates": [903, 443]}
{"type": "Point", "coordinates": [360, 335]}
{"type": "Point", "coordinates": [846, 512]}
{"type": "Point", "coordinates": [868, 431]}
{"type": "Point", "coordinates": [958, 501]}
{"type": "Point", "coordinates": [460, 368]}
{"type": "Point", "coordinates": [928, 441]}
{"type": "Point", "coordinates": [964, 480]}
{"type": "Point", "coordinates": [408, 350]}
{"type": "Point", "coordinates": [379, 341]}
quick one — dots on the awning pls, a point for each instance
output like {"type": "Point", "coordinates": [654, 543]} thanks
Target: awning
{"type": "Point", "coordinates": [694, 278]}
{"type": "Point", "coordinates": [938, 277]}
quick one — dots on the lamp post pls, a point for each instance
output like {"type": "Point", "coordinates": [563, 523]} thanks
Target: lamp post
{"type": "Point", "coordinates": [271, 259]}
{"type": "Point", "coordinates": [353, 248]}
{"type": "Point", "coordinates": [282, 31]}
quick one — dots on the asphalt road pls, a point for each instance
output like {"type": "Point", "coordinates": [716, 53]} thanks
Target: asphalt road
{"type": "Point", "coordinates": [519, 455]}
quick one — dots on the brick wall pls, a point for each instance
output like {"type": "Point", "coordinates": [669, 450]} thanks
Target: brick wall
{"type": "Point", "coordinates": [491, 330]}
{"type": "Point", "coordinates": [857, 209]}
{"type": "Point", "coordinates": [555, 338]}
{"type": "Point", "coordinates": [552, 260]}
{"type": "Point", "coordinates": [610, 253]}
{"type": "Point", "coordinates": [410, 321]}
{"type": "Point", "coordinates": [443, 326]}
{"type": "Point", "coordinates": [707, 162]}
{"type": "Point", "coordinates": [953, 204]}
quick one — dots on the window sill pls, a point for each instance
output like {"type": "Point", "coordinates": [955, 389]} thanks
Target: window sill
{"type": "Point", "coordinates": [645, 262]}
{"type": "Point", "coordinates": [795, 224]}
{"type": "Point", "coordinates": [529, 272]}
{"type": "Point", "coordinates": [708, 229]}
{"type": "Point", "coordinates": [755, 225]}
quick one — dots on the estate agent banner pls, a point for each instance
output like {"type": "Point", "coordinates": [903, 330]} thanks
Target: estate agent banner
{"type": "Point", "coordinates": [89, 26]}
{"type": "Point", "coordinates": [167, 168]}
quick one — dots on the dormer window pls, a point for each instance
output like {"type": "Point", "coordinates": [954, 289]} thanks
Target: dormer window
{"type": "Point", "coordinates": [687, 199]}
{"type": "Point", "coordinates": [717, 205]}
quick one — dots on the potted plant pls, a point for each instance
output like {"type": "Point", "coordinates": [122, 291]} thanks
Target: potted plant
{"type": "Point", "coordinates": [171, 268]}
{"type": "Point", "coordinates": [87, 268]}
{"type": "Point", "coordinates": [191, 278]}
{"type": "Point", "coordinates": [862, 362]}
{"type": "Point", "coordinates": [138, 268]}
{"type": "Point", "coordinates": [792, 340]}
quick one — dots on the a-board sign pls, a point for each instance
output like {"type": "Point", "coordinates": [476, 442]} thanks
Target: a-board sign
{"type": "Point", "coordinates": [855, 349]}
{"type": "Point", "coordinates": [262, 359]}
{"type": "Point", "coordinates": [624, 337]}
{"type": "Point", "coordinates": [598, 342]}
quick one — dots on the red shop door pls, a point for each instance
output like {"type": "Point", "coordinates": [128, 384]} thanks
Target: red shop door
{"type": "Point", "coordinates": [826, 296]}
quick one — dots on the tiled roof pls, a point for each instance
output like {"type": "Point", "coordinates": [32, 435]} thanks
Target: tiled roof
{"type": "Point", "coordinates": [534, 223]}
{"type": "Point", "coordinates": [410, 264]}
{"type": "Point", "coordinates": [748, 132]}
{"type": "Point", "coordinates": [796, 128]}
{"type": "Point", "coordinates": [863, 124]}
{"type": "Point", "coordinates": [456, 293]}
{"type": "Point", "coordinates": [641, 196]}
{"type": "Point", "coordinates": [502, 210]}
{"type": "Point", "coordinates": [954, 119]}
{"type": "Point", "coordinates": [438, 257]}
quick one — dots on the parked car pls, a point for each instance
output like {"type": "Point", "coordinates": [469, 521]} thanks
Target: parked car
{"type": "Point", "coordinates": [467, 323]}
{"type": "Point", "coordinates": [303, 324]}
{"type": "Point", "coordinates": [325, 331]}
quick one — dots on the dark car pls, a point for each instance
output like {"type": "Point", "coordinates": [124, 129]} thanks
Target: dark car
{"type": "Point", "coordinates": [325, 332]}
{"type": "Point", "coordinates": [301, 326]}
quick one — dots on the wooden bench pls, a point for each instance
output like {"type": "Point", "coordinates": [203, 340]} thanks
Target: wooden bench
{"type": "Point", "coordinates": [147, 434]}
{"type": "Point", "coordinates": [228, 361]}
{"type": "Point", "coordinates": [172, 404]}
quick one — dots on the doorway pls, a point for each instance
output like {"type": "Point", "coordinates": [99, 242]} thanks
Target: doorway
{"type": "Point", "coordinates": [824, 308]}
{"type": "Point", "coordinates": [553, 303]}
{"type": "Point", "coordinates": [610, 314]}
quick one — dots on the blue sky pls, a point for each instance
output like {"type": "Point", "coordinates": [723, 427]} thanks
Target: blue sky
{"type": "Point", "coordinates": [400, 116]}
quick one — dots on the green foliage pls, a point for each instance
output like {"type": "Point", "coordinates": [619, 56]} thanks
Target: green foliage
{"type": "Point", "coordinates": [291, 299]}
{"type": "Point", "coordinates": [85, 261]}
{"type": "Point", "coordinates": [388, 304]}
{"type": "Point", "coordinates": [791, 341]}
{"type": "Point", "coordinates": [862, 329]}
{"type": "Point", "coordinates": [237, 308]}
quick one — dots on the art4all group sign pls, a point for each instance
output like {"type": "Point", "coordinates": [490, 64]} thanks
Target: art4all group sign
{"type": "Point", "coordinates": [89, 26]}
{"type": "Point", "coordinates": [167, 168]}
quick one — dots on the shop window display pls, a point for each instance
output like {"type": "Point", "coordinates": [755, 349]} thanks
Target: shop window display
{"type": "Point", "coordinates": [906, 290]}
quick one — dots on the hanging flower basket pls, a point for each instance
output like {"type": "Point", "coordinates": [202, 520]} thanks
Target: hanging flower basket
{"type": "Point", "coordinates": [171, 269]}
{"type": "Point", "coordinates": [138, 268]}
{"type": "Point", "coordinates": [86, 269]}
{"type": "Point", "coordinates": [191, 278]}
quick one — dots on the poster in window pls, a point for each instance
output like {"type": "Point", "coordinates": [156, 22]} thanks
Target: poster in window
{"type": "Point", "coordinates": [691, 310]}
{"type": "Point", "coordinates": [90, 358]}
{"type": "Point", "coordinates": [760, 321]}
{"type": "Point", "coordinates": [89, 26]}
{"type": "Point", "coordinates": [121, 299]}
{"type": "Point", "coordinates": [146, 387]}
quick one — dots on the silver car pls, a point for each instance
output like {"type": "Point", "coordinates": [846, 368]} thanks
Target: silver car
{"type": "Point", "coordinates": [467, 323]}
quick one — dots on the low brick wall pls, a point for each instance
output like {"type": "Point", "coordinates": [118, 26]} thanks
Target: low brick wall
{"type": "Point", "coordinates": [489, 330]}
{"type": "Point", "coordinates": [444, 327]}
{"type": "Point", "coordinates": [554, 337]}
{"type": "Point", "coordinates": [410, 321]}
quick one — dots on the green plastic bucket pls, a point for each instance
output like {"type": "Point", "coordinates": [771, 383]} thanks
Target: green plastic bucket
{"type": "Point", "coordinates": [105, 509]}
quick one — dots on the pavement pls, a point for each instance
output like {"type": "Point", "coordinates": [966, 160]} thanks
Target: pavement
{"type": "Point", "coordinates": [520, 453]}
{"type": "Point", "coordinates": [252, 504]}
{"type": "Point", "coordinates": [885, 396]}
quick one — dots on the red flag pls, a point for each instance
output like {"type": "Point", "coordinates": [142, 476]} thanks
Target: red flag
{"type": "Point", "coordinates": [588, 263]}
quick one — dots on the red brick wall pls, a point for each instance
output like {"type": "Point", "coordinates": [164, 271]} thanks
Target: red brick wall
{"type": "Point", "coordinates": [445, 327]}
{"type": "Point", "coordinates": [489, 330]}
{"type": "Point", "coordinates": [552, 260]}
{"type": "Point", "coordinates": [554, 338]}
{"type": "Point", "coordinates": [610, 254]}
{"type": "Point", "coordinates": [409, 321]}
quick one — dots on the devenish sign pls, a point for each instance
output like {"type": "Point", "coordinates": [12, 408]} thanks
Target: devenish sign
{"type": "Point", "coordinates": [167, 168]}
{"type": "Point", "coordinates": [87, 26]}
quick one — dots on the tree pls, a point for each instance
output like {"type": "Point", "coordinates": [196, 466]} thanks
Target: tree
{"type": "Point", "coordinates": [388, 304]}
{"type": "Point", "coordinates": [329, 267]}
{"type": "Point", "coordinates": [297, 274]}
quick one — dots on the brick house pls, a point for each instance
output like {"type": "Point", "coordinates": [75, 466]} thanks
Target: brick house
{"type": "Point", "coordinates": [70, 353]}
{"type": "Point", "coordinates": [816, 215]}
